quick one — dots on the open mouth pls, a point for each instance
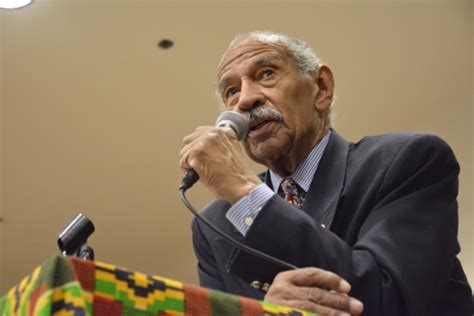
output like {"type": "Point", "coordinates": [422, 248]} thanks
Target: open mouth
{"type": "Point", "coordinates": [261, 127]}
{"type": "Point", "coordinates": [255, 126]}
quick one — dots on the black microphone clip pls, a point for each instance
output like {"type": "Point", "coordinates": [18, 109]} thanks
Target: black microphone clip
{"type": "Point", "coordinates": [189, 179]}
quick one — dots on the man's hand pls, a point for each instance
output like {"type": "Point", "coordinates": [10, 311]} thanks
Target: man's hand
{"type": "Point", "coordinates": [217, 157]}
{"type": "Point", "coordinates": [314, 290]}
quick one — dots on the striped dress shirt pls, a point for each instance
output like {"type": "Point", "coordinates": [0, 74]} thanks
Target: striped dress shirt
{"type": "Point", "coordinates": [243, 213]}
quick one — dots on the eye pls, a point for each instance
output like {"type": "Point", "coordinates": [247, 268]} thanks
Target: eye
{"type": "Point", "coordinates": [267, 73]}
{"type": "Point", "coordinates": [230, 92]}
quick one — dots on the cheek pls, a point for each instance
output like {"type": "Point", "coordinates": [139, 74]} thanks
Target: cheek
{"type": "Point", "coordinates": [290, 105]}
{"type": "Point", "coordinates": [298, 114]}
{"type": "Point", "coordinates": [290, 119]}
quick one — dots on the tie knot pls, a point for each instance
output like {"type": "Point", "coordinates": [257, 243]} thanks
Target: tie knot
{"type": "Point", "coordinates": [294, 194]}
{"type": "Point", "coordinates": [289, 186]}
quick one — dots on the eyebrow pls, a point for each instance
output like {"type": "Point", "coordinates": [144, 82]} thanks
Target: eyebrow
{"type": "Point", "coordinates": [262, 62]}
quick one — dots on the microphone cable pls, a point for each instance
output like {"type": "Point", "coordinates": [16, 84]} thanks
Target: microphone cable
{"type": "Point", "coordinates": [230, 240]}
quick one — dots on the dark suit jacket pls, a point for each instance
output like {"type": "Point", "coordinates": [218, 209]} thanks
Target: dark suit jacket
{"type": "Point", "coordinates": [388, 204]}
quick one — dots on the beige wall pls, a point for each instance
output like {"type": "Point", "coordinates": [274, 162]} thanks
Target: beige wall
{"type": "Point", "coordinates": [94, 113]}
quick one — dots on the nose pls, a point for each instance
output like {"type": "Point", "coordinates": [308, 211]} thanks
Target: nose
{"type": "Point", "coordinates": [250, 95]}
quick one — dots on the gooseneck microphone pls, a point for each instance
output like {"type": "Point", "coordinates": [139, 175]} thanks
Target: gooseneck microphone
{"type": "Point", "coordinates": [238, 124]}
{"type": "Point", "coordinates": [230, 121]}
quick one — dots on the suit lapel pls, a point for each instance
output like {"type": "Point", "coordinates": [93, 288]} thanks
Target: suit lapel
{"type": "Point", "coordinates": [325, 190]}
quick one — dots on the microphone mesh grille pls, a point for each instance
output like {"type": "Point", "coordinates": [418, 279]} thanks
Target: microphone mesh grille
{"type": "Point", "coordinates": [236, 121]}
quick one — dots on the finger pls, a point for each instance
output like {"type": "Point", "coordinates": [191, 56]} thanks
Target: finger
{"type": "Point", "coordinates": [204, 128]}
{"type": "Point", "coordinates": [191, 137]}
{"type": "Point", "coordinates": [333, 291]}
{"type": "Point", "coordinates": [183, 157]}
{"type": "Point", "coordinates": [198, 140]}
{"type": "Point", "coordinates": [313, 307]}
{"type": "Point", "coordinates": [207, 133]}
{"type": "Point", "coordinates": [287, 291]}
{"type": "Point", "coordinates": [318, 277]}
{"type": "Point", "coordinates": [188, 146]}
{"type": "Point", "coordinates": [188, 155]}
{"type": "Point", "coordinates": [197, 133]}
{"type": "Point", "coordinates": [209, 140]}
{"type": "Point", "coordinates": [183, 164]}
{"type": "Point", "coordinates": [322, 297]}
{"type": "Point", "coordinates": [335, 300]}
{"type": "Point", "coordinates": [328, 311]}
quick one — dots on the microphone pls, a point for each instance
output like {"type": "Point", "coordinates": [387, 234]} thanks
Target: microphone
{"type": "Point", "coordinates": [230, 121]}
{"type": "Point", "coordinates": [238, 124]}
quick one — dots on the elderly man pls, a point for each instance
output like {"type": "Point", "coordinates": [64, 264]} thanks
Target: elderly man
{"type": "Point", "coordinates": [376, 219]}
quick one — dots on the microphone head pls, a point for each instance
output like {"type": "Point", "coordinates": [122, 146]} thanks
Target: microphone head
{"type": "Point", "coordinates": [235, 121]}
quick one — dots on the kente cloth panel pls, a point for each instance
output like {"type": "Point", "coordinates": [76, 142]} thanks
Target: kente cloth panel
{"type": "Point", "coordinates": [65, 286]}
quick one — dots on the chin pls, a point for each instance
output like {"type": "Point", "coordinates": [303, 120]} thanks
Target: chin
{"type": "Point", "coordinates": [265, 152]}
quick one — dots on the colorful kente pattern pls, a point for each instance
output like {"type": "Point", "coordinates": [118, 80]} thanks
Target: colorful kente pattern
{"type": "Point", "coordinates": [293, 193]}
{"type": "Point", "coordinates": [72, 287]}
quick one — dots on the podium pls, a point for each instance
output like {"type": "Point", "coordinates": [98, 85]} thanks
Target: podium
{"type": "Point", "coordinates": [71, 286]}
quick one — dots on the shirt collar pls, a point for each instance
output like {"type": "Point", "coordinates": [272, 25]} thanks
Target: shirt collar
{"type": "Point", "coordinates": [304, 174]}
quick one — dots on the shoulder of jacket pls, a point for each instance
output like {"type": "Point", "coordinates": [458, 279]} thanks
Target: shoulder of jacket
{"type": "Point", "coordinates": [395, 141]}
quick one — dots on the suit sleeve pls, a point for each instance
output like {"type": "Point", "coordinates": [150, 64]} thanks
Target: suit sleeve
{"type": "Point", "coordinates": [208, 271]}
{"type": "Point", "coordinates": [405, 244]}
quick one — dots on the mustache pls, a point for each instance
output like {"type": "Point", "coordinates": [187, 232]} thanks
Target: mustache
{"type": "Point", "coordinates": [263, 114]}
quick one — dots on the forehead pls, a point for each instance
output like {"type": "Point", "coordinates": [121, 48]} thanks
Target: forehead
{"type": "Point", "coordinates": [251, 51]}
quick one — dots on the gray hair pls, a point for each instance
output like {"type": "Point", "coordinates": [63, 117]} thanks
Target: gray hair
{"type": "Point", "coordinates": [303, 54]}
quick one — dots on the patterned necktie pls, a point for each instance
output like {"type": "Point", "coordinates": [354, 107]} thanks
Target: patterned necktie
{"type": "Point", "coordinates": [293, 192]}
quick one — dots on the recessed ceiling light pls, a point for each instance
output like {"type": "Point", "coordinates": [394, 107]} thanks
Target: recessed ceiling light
{"type": "Point", "coordinates": [165, 43]}
{"type": "Point", "coordinates": [14, 4]}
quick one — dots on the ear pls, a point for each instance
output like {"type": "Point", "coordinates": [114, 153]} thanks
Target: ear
{"type": "Point", "coordinates": [324, 79]}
